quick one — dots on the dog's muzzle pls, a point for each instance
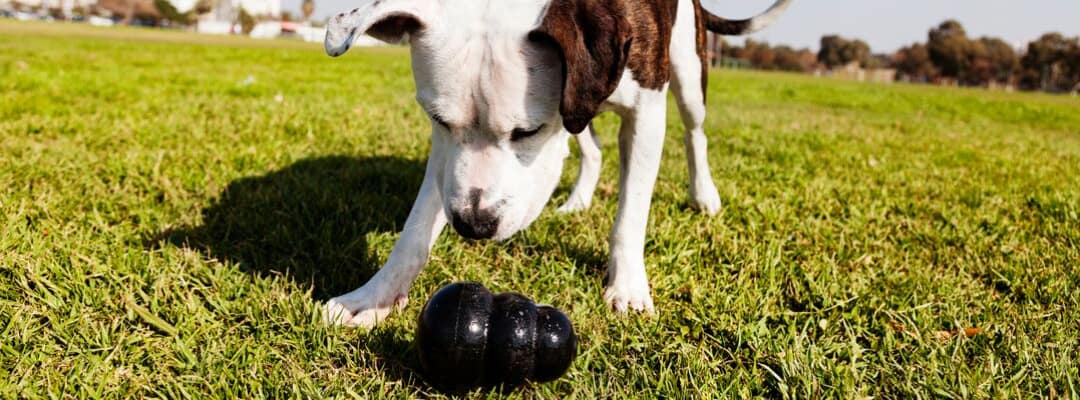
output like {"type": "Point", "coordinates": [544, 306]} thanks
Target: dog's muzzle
{"type": "Point", "coordinates": [474, 222]}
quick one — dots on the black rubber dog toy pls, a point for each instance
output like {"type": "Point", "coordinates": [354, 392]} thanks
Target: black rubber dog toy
{"type": "Point", "coordinates": [469, 338]}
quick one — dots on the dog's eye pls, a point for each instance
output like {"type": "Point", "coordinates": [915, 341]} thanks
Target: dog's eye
{"type": "Point", "coordinates": [439, 120]}
{"type": "Point", "coordinates": [519, 134]}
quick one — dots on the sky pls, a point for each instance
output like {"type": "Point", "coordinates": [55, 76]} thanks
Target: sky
{"type": "Point", "coordinates": [886, 25]}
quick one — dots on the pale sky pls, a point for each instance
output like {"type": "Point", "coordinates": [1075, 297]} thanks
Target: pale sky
{"type": "Point", "coordinates": [886, 24]}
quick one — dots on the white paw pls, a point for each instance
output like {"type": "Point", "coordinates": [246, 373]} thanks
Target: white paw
{"type": "Point", "coordinates": [706, 199]}
{"type": "Point", "coordinates": [360, 311]}
{"type": "Point", "coordinates": [572, 205]}
{"type": "Point", "coordinates": [629, 296]}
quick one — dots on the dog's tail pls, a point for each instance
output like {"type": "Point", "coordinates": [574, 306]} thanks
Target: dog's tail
{"type": "Point", "coordinates": [725, 26]}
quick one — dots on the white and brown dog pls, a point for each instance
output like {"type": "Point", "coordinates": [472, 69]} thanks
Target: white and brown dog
{"type": "Point", "coordinates": [506, 82]}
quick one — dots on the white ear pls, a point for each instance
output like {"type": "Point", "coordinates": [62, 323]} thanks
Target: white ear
{"type": "Point", "coordinates": [386, 20]}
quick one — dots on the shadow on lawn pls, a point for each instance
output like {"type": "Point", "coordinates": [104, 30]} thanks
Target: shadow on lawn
{"type": "Point", "coordinates": [308, 221]}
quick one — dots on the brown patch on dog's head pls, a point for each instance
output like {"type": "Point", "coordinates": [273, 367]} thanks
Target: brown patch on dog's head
{"type": "Point", "coordinates": [593, 38]}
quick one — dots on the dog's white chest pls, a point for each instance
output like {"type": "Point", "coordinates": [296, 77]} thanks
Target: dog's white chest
{"type": "Point", "coordinates": [629, 94]}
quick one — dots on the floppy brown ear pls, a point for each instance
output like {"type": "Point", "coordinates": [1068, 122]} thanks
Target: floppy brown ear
{"type": "Point", "coordinates": [593, 38]}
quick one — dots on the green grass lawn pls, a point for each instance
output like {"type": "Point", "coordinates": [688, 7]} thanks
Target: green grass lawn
{"type": "Point", "coordinates": [174, 208]}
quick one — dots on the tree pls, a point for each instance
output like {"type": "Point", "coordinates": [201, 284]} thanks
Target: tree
{"type": "Point", "coordinates": [789, 59]}
{"type": "Point", "coordinates": [308, 8]}
{"type": "Point", "coordinates": [130, 10]}
{"type": "Point", "coordinates": [948, 46]}
{"type": "Point", "coordinates": [836, 51]}
{"type": "Point", "coordinates": [204, 6]}
{"type": "Point", "coordinates": [762, 56]}
{"type": "Point", "coordinates": [1074, 62]}
{"type": "Point", "coordinates": [991, 60]}
{"type": "Point", "coordinates": [880, 60]}
{"type": "Point", "coordinates": [247, 21]}
{"type": "Point", "coordinates": [170, 13]}
{"type": "Point", "coordinates": [729, 50]}
{"type": "Point", "coordinates": [859, 51]}
{"type": "Point", "coordinates": [831, 51]}
{"type": "Point", "coordinates": [1051, 63]}
{"type": "Point", "coordinates": [759, 54]}
{"type": "Point", "coordinates": [914, 63]}
{"type": "Point", "coordinates": [718, 49]}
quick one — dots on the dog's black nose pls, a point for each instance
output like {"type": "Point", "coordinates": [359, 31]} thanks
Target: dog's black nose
{"type": "Point", "coordinates": [475, 224]}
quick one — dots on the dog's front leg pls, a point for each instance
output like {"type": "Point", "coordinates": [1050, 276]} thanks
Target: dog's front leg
{"type": "Point", "coordinates": [588, 174]}
{"type": "Point", "coordinates": [641, 141]}
{"type": "Point", "coordinates": [389, 288]}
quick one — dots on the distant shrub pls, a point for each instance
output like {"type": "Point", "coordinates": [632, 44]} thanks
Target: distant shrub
{"type": "Point", "coordinates": [247, 22]}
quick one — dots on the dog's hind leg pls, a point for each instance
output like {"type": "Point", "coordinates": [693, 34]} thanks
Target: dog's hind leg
{"type": "Point", "coordinates": [389, 288]}
{"type": "Point", "coordinates": [588, 175]}
{"type": "Point", "coordinates": [703, 194]}
{"type": "Point", "coordinates": [689, 75]}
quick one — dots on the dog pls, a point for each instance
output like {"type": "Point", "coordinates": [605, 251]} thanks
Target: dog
{"type": "Point", "coordinates": [505, 84]}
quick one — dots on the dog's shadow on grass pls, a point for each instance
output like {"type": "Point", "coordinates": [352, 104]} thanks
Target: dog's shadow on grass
{"type": "Point", "coordinates": [308, 222]}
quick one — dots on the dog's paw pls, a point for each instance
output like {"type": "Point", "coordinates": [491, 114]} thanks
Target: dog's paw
{"type": "Point", "coordinates": [573, 205]}
{"type": "Point", "coordinates": [629, 296]}
{"type": "Point", "coordinates": [359, 311]}
{"type": "Point", "coordinates": [706, 199]}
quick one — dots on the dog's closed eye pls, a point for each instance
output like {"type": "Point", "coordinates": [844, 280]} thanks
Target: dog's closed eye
{"type": "Point", "coordinates": [439, 120]}
{"type": "Point", "coordinates": [520, 134]}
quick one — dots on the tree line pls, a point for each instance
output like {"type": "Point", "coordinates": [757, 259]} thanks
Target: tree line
{"type": "Point", "coordinates": [161, 13]}
{"type": "Point", "coordinates": [1050, 63]}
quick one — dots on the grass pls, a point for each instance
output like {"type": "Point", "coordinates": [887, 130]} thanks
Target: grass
{"type": "Point", "coordinates": [173, 208]}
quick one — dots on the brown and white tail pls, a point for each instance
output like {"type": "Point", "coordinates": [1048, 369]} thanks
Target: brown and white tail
{"type": "Point", "coordinates": [725, 26]}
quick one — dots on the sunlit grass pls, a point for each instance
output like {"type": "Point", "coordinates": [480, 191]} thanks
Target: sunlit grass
{"type": "Point", "coordinates": [173, 207]}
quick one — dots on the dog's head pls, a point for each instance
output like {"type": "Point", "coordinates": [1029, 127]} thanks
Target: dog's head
{"type": "Point", "coordinates": [503, 82]}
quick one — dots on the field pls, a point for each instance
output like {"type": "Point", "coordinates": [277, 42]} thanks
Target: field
{"type": "Point", "coordinates": [174, 208]}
